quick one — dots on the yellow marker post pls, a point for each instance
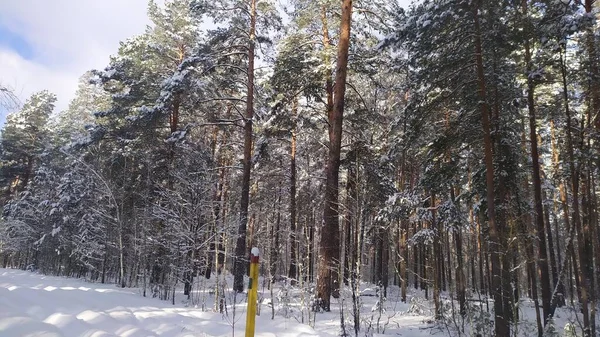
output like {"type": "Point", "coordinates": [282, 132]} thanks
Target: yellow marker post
{"type": "Point", "coordinates": [252, 293]}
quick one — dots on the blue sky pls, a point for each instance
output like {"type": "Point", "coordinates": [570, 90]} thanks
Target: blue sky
{"type": "Point", "coordinates": [49, 44]}
{"type": "Point", "coordinates": [15, 42]}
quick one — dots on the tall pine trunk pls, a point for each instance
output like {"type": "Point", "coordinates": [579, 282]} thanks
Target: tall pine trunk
{"type": "Point", "coordinates": [583, 288]}
{"type": "Point", "coordinates": [460, 275]}
{"type": "Point", "coordinates": [292, 272]}
{"type": "Point", "coordinates": [436, 263]}
{"type": "Point", "coordinates": [350, 220]}
{"type": "Point", "coordinates": [274, 238]}
{"type": "Point", "coordinates": [542, 260]}
{"type": "Point", "coordinates": [329, 247]}
{"type": "Point", "coordinates": [559, 296]}
{"type": "Point", "coordinates": [501, 323]}
{"type": "Point", "coordinates": [594, 71]}
{"type": "Point", "coordinates": [241, 260]}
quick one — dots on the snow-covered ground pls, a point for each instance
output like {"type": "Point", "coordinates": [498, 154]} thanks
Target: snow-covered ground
{"type": "Point", "coordinates": [34, 305]}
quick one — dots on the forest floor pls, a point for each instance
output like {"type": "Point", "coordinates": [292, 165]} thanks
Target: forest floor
{"type": "Point", "coordinates": [34, 305]}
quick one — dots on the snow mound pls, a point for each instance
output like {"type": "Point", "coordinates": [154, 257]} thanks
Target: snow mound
{"type": "Point", "coordinates": [33, 305]}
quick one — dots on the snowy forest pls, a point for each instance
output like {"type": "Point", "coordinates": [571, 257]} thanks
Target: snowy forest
{"type": "Point", "coordinates": [450, 149]}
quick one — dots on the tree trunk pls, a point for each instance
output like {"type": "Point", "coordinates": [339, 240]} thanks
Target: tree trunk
{"type": "Point", "coordinates": [311, 249]}
{"type": "Point", "coordinates": [222, 236]}
{"type": "Point", "coordinates": [121, 255]}
{"type": "Point", "coordinates": [501, 324]}
{"type": "Point", "coordinates": [583, 284]}
{"type": "Point", "coordinates": [403, 259]}
{"type": "Point", "coordinates": [241, 260]}
{"type": "Point", "coordinates": [551, 250]}
{"type": "Point", "coordinates": [592, 238]}
{"type": "Point", "coordinates": [594, 90]}
{"type": "Point", "coordinates": [595, 292]}
{"type": "Point", "coordinates": [542, 260]}
{"type": "Point", "coordinates": [403, 235]}
{"type": "Point", "coordinates": [446, 271]}
{"type": "Point", "coordinates": [351, 195]}
{"type": "Point", "coordinates": [528, 247]}
{"type": "Point", "coordinates": [460, 276]}
{"type": "Point", "coordinates": [274, 255]}
{"type": "Point", "coordinates": [385, 259]}
{"type": "Point", "coordinates": [104, 261]}
{"type": "Point", "coordinates": [437, 272]}
{"type": "Point", "coordinates": [482, 256]}
{"type": "Point", "coordinates": [292, 273]}
{"type": "Point", "coordinates": [563, 194]}
{"type": "Point", "coordinates": [588, 272]}
{"type": "Point", "coordinates": [416, 269]}
{"type": "Point", "coordinates": [329, 250]}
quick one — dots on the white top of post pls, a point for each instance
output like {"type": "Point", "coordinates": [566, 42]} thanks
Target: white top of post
{"type": "Point", "coordinates": [255, 251]}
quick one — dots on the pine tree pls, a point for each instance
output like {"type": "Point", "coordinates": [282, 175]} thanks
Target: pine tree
{"type": "Point", "coordinates": [23, 141]}
{"type": "Point", "coordinates": [329, 246]}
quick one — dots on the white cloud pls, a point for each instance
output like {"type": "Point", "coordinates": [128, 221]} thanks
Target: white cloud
{"type": "Point", "coordinates": [26, 77]}
{"type": "Point", "coordinates": [67, 37]}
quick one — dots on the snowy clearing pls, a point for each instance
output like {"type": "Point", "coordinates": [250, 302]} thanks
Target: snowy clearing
{"type": "Point", "coordinates": [34, 305]}
{"type": "Point", "coordinates": [44, 306]}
